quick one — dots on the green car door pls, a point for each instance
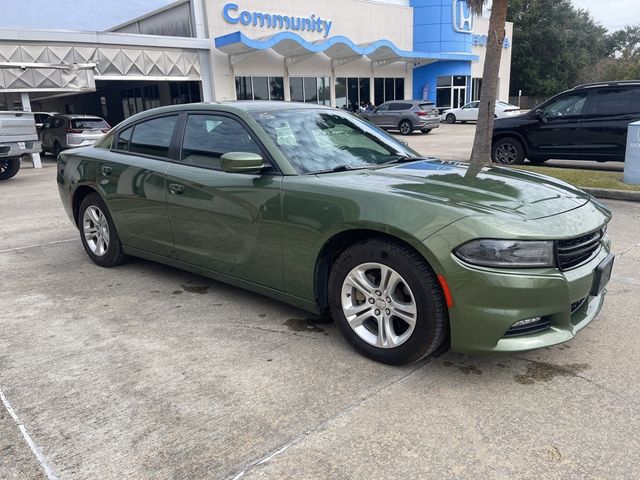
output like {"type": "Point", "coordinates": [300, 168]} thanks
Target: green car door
{"type": "Point", "coordinates": [226, 222]}
{"type": "Point", "coordinates": [132, 179]}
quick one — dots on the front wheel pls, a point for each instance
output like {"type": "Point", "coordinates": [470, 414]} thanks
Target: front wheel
{"type": "Point", "coordinates": [450, 118]}
{"type": "Point", "coordinates": [9, 168]}
{"type": "Point", "coordinates": [538, 161]}
{"type": "Point", "coordinates": [387, 302]}
{"type": "Point", "coordinates": [98, 233]}
{"type": "Point", "coordinates": [507, 151]}
{"type": "Point", "coordinates": [405, 127]}
{"type": "Point", "coordinates": [426, 130]}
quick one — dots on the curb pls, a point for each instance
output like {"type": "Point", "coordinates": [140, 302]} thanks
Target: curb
{"type": "Point", "coordinates": [625, 195]}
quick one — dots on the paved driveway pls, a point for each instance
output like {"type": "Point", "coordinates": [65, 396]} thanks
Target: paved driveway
{"type": "Point", "coordinates": [148, 372]}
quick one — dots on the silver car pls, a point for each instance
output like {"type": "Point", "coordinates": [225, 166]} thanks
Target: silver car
{"type": "Point", "coordinates": [60, 132]}
{"type": "Point", "coordinates": [405, 116]}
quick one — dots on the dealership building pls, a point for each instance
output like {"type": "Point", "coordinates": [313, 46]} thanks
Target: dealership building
{"type": "Point", "coordinates": [336, 52]}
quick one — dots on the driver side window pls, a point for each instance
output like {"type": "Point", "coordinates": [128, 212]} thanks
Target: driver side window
{"type": "Point", "coordinates": [208, 137]}
{"type": "Point", "coordinates": [568, 105]}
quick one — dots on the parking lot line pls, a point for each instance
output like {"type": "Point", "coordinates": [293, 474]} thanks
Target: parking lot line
{"type": "Point", "coordinates": [48, 470]}
{"type": "Point", "coordinates": [38, 245]}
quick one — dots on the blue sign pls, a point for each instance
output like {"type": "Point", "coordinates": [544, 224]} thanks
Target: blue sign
{"type": "Point", "coordinates": [462, 16]}
{"type": "Point", "coordinates": [231, 13]}
{"type": "Point", "coordinates": [482, 40]}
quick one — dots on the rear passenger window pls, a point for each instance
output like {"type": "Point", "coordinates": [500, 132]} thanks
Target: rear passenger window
{"type": "Point", "coordinates": [153, 137]}
{"type": "Point", "coordinates": [208, 137]}
{"type": "Point", "coordinates": [399, 106]}
{"type": "Point", "coordinates": [124, 139]}
{"type": "Point", "coordinates": [615, 101]}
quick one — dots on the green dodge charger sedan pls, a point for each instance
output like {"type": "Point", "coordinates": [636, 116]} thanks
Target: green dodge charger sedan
{"type": "Point", "coordinates": [322, 210]}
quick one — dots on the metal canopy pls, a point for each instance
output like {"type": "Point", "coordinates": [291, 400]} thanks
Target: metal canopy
{"type": "Point", "coordinates": [289, 44]}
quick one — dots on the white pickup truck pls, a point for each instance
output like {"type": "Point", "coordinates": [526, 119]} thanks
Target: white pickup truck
{"type": "Point", "coordinates": [18, 137]}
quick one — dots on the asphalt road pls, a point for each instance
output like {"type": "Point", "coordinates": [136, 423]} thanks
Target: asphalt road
{"type": "Point", "coordinates": [148, 372]}
{"type": "Point", "coordinates": [454, 142]}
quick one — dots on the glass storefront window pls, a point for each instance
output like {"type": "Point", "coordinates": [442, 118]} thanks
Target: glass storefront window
{"type": "Point", "coordinates": [399, 89]}
{"type": "Point", "coordinates": [389, 89]}
{"type": "Point", "coordinates": [259, 88]}
{"type": "Point", "coordinates": [365, 96]}
{"type": "Point", "coordinates": [296, 89]}
{"type": "Point", "coordinates": [310, 90]}
{"type": "Point", "coordinates": [378, 91]}
{"type": "Point", "coordinates": [276, 84]}
{"type": "Point", "coordinates": [341, 92]}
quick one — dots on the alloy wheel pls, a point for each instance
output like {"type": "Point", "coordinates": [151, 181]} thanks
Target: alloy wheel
{"type": "Point", "coordinates": [405, 128]}
{"type": "Point", "coordinates": [506, 153]}
{"type": "Point", "coordinates": [379, 305]}
{"type": "Point", "coordinates": [96, 230]}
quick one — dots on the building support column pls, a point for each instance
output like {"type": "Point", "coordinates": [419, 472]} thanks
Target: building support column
{"type": "Point", "coordinates": [372, 86]}
{"type": "Point", "coordinates": [286, 84]}
{"type": "Point", "coordinates": [332, 86]}
{"type": "Point", "coordinates": [26, 106]}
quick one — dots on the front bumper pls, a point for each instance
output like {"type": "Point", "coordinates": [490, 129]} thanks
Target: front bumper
{"type": "Point", "coordinates": [488, 301]}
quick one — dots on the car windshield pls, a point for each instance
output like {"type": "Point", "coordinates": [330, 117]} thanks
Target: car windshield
{"type": "Point", "coordinates": [89, 123]}
{"type": "Point", "coordinates": [323, 140]}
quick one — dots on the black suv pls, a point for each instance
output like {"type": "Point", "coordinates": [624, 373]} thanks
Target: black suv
{"type": "Point", "coordinates": [588, 122]}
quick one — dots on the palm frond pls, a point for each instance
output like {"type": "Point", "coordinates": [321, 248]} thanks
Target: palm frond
{"type": "Point", "coordinates": [476, 6]}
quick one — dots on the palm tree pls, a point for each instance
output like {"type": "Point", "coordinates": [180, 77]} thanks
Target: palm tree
{"type": "Point", "coordinates": [481, 153]}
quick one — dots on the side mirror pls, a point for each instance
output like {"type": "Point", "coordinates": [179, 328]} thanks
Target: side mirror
{"type": "Point", "coordinates": [539, 114]}
{"type": "Point", "coordinates": [241, 162]}
{"type": "Point", "coordinates": [404, 142]}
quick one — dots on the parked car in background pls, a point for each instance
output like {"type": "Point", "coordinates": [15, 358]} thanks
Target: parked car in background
{"type": "Point", "coordinates": [42, 117]}
{"type": "Point", "coordinates": [588, 122]}
{"type": "Point", "coordinates": [469, 112]}
{"type": "Point", "coordinates": [321, 209]}
{"type": "Point", "coordinates": [405, 116]}
{"type": "Point", "coordinates": [61, 132]}
{"type": "Point", "coordinates": [18, 137]}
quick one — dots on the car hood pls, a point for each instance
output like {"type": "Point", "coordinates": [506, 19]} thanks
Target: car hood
{"type": "Point", "coordinates": [493, 190]}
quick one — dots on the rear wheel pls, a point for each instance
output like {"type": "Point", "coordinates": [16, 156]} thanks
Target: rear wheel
{"type": "Point", "coordinates": [387, 302]}
{"type": "Point", "coordinates": [56, 149]}
{"type": "Point", "coordinates": [405, 127]}
{"type": "Point", "coordinates": [98, 233]}
{"type": "Point", "coordinates": [450, 118]}
{"type": "Point", "coordinates": [426, 130]}
{"type": "Point", "coordinates": [507, 151]}
{"type": "Point", "coordinates": [9, 167]}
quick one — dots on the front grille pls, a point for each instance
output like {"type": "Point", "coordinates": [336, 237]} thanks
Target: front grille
{"type": "Point", "coordinates": [542, 324]}
{"type": "Point", "coordinates": [576, 251]}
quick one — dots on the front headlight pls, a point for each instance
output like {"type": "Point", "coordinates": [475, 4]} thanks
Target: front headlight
{"type": "Point", "coordinates": [507, 253]}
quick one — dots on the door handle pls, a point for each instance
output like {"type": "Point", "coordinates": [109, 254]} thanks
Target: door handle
{"type": "Point", "coordinates": [106, 171]}
{"type": "Point", "coordinates": [176, 189]}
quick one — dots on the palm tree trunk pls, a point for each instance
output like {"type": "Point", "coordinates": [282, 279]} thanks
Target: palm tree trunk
{"type": "Point", "coordinates": [481, 153]}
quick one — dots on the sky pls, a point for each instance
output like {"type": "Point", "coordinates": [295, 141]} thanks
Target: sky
{"type": "Point", "coordinates": [102, 14]}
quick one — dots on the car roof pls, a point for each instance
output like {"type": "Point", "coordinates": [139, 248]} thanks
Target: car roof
{"type": "Point", "coordinates": [608, 84]}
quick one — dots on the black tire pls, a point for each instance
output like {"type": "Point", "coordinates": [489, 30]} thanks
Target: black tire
{"type": "Point", "coordinates": [405, 127]}
{"type": "Point", "coordinates": [426, 130]}
{"type": "Point", "coordinates": [507, 151]}
{"type": "Point", "coordinates": [450, 118]}
{"type": "Point", "coordinates": [431, 324]}
{"type": "Point", "coordinates": [114, 255]}
{"type": "Point", "coordinates": [537, 161]}
{"type": "Point", "coordinates": [56, 149]}
{"type": "Point", "coordinates": [9, 168]}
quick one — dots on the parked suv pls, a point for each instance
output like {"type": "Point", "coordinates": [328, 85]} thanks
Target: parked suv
{"type": "Point", "coordinates": [588, 122]}
{"type": "Point", "coordinates": [405, 116]}
{"type": "Point", "coordinates": [60, 132]}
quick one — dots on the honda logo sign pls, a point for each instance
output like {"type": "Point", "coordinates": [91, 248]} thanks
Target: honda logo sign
{"type": "Point", "coordinates": [462, 17]}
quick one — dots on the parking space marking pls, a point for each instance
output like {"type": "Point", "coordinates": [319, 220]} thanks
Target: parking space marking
{"type": "Point", "coordinates": [38, 245]}
{"type": "Point", "coordinates": [48, 470]}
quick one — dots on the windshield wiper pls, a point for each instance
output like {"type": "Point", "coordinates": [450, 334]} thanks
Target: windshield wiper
{"type": "Point", "coordinates": [343, 168]}
{"type": "Point", "coordinates": [400, 159]}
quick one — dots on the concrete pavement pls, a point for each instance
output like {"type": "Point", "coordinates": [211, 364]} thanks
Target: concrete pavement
{"type": "Point", "coordinates": [145, 371]}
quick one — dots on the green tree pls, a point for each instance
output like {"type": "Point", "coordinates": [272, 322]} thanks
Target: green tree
{"type": "Point", "coordinates": [553, 44]}
{"type": "Point", "coordinates": [481, 153]}
{"type": "Point", "coordinates": [622, 61]}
